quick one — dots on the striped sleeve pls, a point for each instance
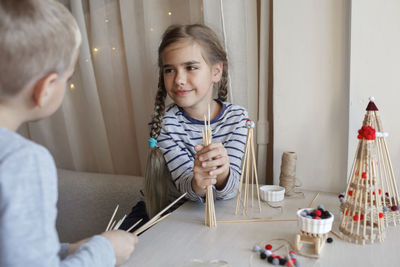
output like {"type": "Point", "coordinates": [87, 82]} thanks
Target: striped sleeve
{"type": "Point", "coordinates": [179, 161]}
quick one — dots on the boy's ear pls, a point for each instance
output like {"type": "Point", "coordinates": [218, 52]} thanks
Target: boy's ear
{"type": "Point", "coordinates": [217, 70]}
{"type": "Point", "coordinates": [42, 89]}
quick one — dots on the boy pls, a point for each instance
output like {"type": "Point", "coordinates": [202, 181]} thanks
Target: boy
{"type": "Point", "coordinates": [39, 46]}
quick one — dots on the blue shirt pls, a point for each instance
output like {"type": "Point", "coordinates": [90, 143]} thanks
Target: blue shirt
{"type": "Point", "coordinates": [28, 198]}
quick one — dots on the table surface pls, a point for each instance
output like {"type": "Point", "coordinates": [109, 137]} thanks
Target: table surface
{"type": "Point", "coordinates": [182, 238]}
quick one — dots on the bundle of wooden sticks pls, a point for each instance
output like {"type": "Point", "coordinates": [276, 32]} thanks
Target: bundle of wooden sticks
{"type": "Point", "coordinates": [156, 219]}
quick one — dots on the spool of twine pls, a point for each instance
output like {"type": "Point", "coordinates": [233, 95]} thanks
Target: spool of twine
{"type": "Point", "coordinates": [287, 179]}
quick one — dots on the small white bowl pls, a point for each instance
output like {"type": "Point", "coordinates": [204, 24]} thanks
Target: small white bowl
{"type": "Point", "coordinates": [314, 226]}
{"type": "Point", "coordinates": [272, 193]}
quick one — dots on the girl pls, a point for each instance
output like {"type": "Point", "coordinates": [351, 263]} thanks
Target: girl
{"type": "Point", "coordinates": [192, 63]}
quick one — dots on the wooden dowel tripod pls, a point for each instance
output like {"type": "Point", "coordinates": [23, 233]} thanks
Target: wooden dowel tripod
{"type": "Point", "coordinates": [248, 168]}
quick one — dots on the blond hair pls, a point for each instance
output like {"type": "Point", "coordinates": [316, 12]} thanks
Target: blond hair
{"type": "Point", "coordinates": [37, 37]}
{"type": "Point", "coordinates": [157, 177]}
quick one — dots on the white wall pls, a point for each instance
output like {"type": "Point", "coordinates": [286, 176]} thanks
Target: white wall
{"type": "Point", "coordinates": [311, 95]}
{"type": "Point", "coordinates": [375, 70]}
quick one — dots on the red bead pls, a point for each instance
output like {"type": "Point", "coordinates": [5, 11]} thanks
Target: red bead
{"type": "Point", "coordinates": [347, 212]}
{"type": "Point", "coordinates": [359, 136]}
{"type": "Point", "coordinates": [380, 215]}
{"type": "Point", "coordinates": [355, 217]}
{"type": "Point", "coordinates": [362, 217]}
{"type": "Point", "coordinates": [379, 191]}
{"type": "Point", "coordinates": [350, 192]}
{"type": "Point", "coordinates": [364, 175]}
{"type": "Point", "coordinates": [268, 247]}
{"type": "Point", "coordinates": [318, 212]}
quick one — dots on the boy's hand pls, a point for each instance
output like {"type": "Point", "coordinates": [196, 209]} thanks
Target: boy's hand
{"type": "Point", "coordinates": [211, 166]}
{"type": "Point", "coordinates": [123, 244]}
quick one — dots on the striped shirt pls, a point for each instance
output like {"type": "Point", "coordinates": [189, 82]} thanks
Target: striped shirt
{"type": "Point", "coordinates": [180, 133]}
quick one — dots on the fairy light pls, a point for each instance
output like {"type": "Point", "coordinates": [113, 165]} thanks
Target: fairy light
{"type": "Point", "coordinates": [113, 48]}
{"type": "Point", "coordinates": [72, 86]}
{"type": "Point", "coordinates": [107, 20]}
{"type": "Point", "coordinates": [169, 13]}
{"type": "Point", "coordinates": [95, 49]}
{"type": "Point", "coordinates": [151, 29]}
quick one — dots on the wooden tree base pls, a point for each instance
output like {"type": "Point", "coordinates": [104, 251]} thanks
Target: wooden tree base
{"type": "Point", "coordinates": [318, 240]}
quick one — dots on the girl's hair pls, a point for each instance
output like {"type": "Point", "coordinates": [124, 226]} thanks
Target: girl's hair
{"type": "Point", "coordinates": [157, 177]}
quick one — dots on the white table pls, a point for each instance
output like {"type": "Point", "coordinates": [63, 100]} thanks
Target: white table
{"type": "Point", "coordinates": [182, 237]}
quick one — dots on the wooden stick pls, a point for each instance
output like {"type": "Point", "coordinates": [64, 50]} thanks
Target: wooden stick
{"type": "Point", "coordinates": [312, 202]}
{"type": "Point", "coordinates": [255, 172]}
{"type": "Point", "coordinates": [158, 215]}
{"type": "Point", "coordinates": [112, 226]}
{"type": "Point", "coordinates": [112, 217]}
{"type": "Point", "coordinates": [259, 220]}
{"type": "Point", "coordinates": [116, 227]}
{"type": "Point", "coordinates": [142, 229]}
{"type": "Point", "coordinates": [133, 226]}
{"type": "Point", "coordinates": [336, 234]}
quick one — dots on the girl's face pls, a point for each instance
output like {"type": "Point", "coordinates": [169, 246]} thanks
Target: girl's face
{"type": "Point", "coordinates": [188, 78]}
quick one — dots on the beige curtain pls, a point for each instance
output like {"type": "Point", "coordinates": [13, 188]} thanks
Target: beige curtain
{"type": "Point", "coordinates": [244, 25]}
{"type": "Point", "coordinates": [102, 124]}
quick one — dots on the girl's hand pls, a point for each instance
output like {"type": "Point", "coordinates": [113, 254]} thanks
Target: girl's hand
{"type": "Point", "coordinates": [211, 167]}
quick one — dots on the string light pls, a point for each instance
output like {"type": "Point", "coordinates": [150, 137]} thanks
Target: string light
{"type": "Point", "coordinates": [169, 13]}
{"type": "Point", "coordinates": [72, 86]}
{"type": "Point", "coordinates": [113, 48]}
{"type": "Point", "coordinates": [87, 60]}
{"type": "Point", "coordinates": [95, 49]}
{"type": "Point", "coordinates": [151, 29]}
{"type": "Point", "coordinates": [107, 20]}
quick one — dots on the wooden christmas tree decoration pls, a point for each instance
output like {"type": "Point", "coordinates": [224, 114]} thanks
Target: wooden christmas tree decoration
{"type": "Point", "coordinates": [390, 195]}
{"type": "Point", "coordinates": [362, 219]}
{"type": "Point", "coordinates": [210, 219]}
{"type": "Point", "coordinates": [248, 167]}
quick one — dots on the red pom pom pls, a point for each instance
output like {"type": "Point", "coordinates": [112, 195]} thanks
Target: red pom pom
{"type": "Point", "coordinates": [355, 217]}
{"type": "Point", "coordinates": [350, 192]}
{"type": "Point", "coordinates": [380, 215]}
{"type": "Point", "coordinates": [364, 175]}
{"type": "Point", "coordinates": [318, 212]}
{"type": "Point", "coordinates": [268, 247]}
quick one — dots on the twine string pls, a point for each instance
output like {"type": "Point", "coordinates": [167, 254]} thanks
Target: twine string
{"type": "Point", "coordinates": [287, 178]}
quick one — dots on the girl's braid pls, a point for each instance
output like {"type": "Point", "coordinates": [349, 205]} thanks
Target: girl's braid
{"type": "Point", "coordinates": [223, 84]}
{"type": "Point", "coordinates": [159, 109]}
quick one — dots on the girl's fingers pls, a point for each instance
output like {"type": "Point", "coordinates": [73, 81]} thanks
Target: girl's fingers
{"type": "Point", "coordinates": [217, 171]}
{"type": "Point", "coordinates": [214, 163]}
{"type": "Point", "coordinates": [212, 154]}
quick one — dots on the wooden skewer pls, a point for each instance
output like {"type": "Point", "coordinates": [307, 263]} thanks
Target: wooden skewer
{"type": "Point", "coordinates": [158, 215]}
{"type": "Point", "coordinates": [312, 201]}
{"type": "Point", "coordinates": [259, 220]}
{"type": "Point", "coordinates": [133, 226]}
{"type": "Point", "coordinates": [112, 226]}
{"type": "Point", "coordinates": [116, 227]}
{"type": "Point", "coordinates": [142, 229]}
{"type": "Point", "coordinates": [336, 234]}
{"type": "Point", "coordinates": [112, 217]}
